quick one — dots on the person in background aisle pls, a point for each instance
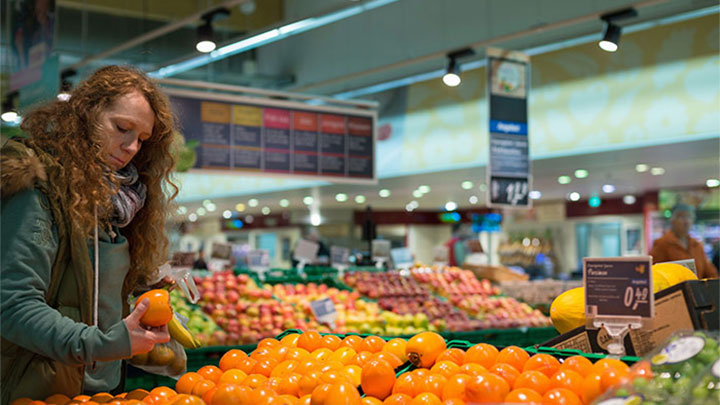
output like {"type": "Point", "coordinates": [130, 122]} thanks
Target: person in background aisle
{"type": "Point", "coordinates": [84, 203]}
{"type": "Point", "coordinates": [457, 247]}
{"type": "Point", "coordinates": [200, 262]}
{"type": "Point", "coordinates": [677, 244]}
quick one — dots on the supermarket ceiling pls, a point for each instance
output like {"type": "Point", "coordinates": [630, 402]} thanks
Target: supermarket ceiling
{"type": "Point", "coordinates": [384, 41]}
{"type": "Point", "coordinates": [393, 39]}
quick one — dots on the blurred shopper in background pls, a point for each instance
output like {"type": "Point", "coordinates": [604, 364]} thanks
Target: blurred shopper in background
{"type": "Point", "coordinates": [457, 245]}
{"type": "Point", "coordinates": [677, 244]}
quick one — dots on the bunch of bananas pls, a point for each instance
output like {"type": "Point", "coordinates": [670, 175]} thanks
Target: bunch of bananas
{"type": "Point", "coordinates": [181, 334]}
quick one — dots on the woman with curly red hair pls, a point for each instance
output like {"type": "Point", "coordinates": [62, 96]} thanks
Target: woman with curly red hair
{"type": "Point", "coordinates": [84, 203]}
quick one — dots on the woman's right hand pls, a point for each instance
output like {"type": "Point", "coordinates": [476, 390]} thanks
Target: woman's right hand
{"type": "Point", "coordinates": [143, 338]}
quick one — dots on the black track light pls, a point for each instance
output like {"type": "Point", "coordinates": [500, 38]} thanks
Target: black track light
{"type": "Point", "coordinates": [451, 77]}
{"type": "Point", "coordinates": [205, 34]}
{"type": "Point", "coordinates": [611, 33]}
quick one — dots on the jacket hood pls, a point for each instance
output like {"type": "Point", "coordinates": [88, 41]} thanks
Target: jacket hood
{"type": "Point", "coordinates": [20, 169]}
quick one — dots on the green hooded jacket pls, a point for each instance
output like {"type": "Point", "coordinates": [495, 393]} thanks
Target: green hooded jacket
{"type": "Point", "coordinates": [46, 287]}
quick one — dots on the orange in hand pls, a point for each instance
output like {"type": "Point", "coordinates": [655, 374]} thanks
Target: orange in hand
{"type": "Point", "coordinates": [159, 311]}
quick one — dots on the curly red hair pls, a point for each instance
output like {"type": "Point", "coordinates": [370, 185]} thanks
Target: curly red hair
{"type": "Point", "coordinates": [69, 131]}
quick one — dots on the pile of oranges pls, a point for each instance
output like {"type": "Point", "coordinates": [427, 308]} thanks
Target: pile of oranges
{"type": "Point", "coordinates": [159, 395]}
{"type": "Point", "coordinates": [313, 369]}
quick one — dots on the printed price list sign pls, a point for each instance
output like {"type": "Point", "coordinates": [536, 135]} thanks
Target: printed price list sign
{"type": "Point", "coordinates": [280, 138]}
{"type": "Point", "coordinates": [618, 287]}
{"type": "Point", "coordinates": [324, 310]}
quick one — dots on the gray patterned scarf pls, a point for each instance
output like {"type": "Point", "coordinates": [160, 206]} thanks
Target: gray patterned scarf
{"type": "Point", "coordinates": [130, 198]}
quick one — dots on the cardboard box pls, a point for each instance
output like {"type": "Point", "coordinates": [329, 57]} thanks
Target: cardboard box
{"type": "Point", "coordinates": [689, 305]}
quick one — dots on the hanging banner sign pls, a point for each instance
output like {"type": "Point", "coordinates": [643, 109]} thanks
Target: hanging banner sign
{"type": "Point", "coordinates": [508, 170]}
{"type": "Point", "coordinates": [277, 137]}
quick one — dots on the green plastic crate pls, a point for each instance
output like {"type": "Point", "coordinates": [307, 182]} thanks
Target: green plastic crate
{"type": "Point", "coordinates": [505, 337]}
{"type": "Point", "coordinates": [565, 353]}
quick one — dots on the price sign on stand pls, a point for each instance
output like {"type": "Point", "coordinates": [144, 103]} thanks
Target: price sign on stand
{"type": "Point", "coordinates": [259, 261]}
{"type": "Point", "coordinates": [324, 311]}
{"type": "Point", "coordinates": [380, 252]}
{"type": "Point", "coordinates": [618, 295]}
{"type": "Point", "coordinates": [183, 259]}
{"type": "Point", "coordinates": [402, 258]}
{"type": "Point", "coordinates": [339, 258]}
{"type": "Point", "coordinates": [305, 253]}
{"type": "Point", "coordinates": [220, 256]}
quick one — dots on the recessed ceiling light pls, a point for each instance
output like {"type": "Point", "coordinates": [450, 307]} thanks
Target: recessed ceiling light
{"type": "Point", "coordinates": [182, 210]}
{"type": "Point", "coordinates": [424, 189]}
{"type": "Point", "coordinates": [201, 211]}
{"type": "Point", "coordinates": [564, 179]}
{"type": "Point", "coordinates": [384, 193]}
{"type": "Point", "coordinates": [467, 185]}
{"type": "Point", "coordinates": [192, 217]}
{"type": "Point", "coordinates": [657, 171]}
{"type": "Point", "coordinates": [482, 187]}
{"type": "Point", "coordinates": [581, 173]}
{"type": "Point", "coordinates": [641, 168]}
{"type": "Point", "coordinates": [535, 195]}
{"type": "Point", "coordinates": [253, 202]}
{"type": "Point", "coordinates": [409, 207]}
{"type": "Point", "coordinates": [473, 199]}
{"type": "Point", "coordinates": [414, 204]}
{"type": "Point", "coordinates": [265, 210]}
{"type": "Point", "coordinates": [240, 207]}
{"type": "Point", "coordinates": [227, 214]}
{"type": "Point", "coordinates": [608, 188]}
{"type": "Point", "coordinates": [211, 207]}
{"type": "Point", "coordinates": [315, 219]}
{"type": "Point", "coordinates": [574, 196]}
{"type": "Point", "coordinates": [712, 183]}
{"type": "Point", "coordinates": [417, 194]}
{"type": "Point", "coordinates": [360, 199]}
{"type": "Point", "coordinates": [341, 197]}
{"type": "Point", "coordinates": [308, 200]}
{"type": "Point", "coordinates": [206, 203]}
{"type": "Point", "coordinates": [629, 199]}
{"type": "Point", "coordinates": [249, 219]}
{"type": "Point", "coordinates": [284, 202]}
{"type": "Point", "coordinates": [450, 206]}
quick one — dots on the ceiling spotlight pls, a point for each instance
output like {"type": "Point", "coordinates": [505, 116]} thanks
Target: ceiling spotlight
{"type": "Point", "coordinates": [211, 207]}
{"type": "Point", "coordinates": [201, 211]}
{"type": "Point", "coordinates": [253, 202]}
{"type": "Point", "coordinates": [205, 35]}
{"type": "Point", "coordinates": [641, 167]}
{"type": "Point", "coordinates": [284, 202]}
{"type": "Point", "coordinates": [341, 197]}
{"type": "Point", "coordinates": [574, 196]}
{"type": "Point", "coordinates": [227, 214]}
{"type": "Point", "coordinates": [657, 171]}
{"type": "Point", "coordinates": [192, 217]}
{"type": "Point", "coordinates": [581, 173]}
{"type": "Point", "coordinates": [564, 179]}
{"type": "Point", "coordinates": [249, 219]}
{"type": "Point", "coordinates": [265, 210]}
{"type": "Point", "coordinates": [315, 219]}
{"type": "Point", "coordinates": [482, 187]}
{"type": "Point", "coordinates": [240, 207]}
{"type": "Point", "coordinates": [9, 113]}
{"type": "Point", "coordinates": [308, 200]}
{"type": "Point", "coordinates": [473, 199]}
{"type": "Point", "coordinates": [451, 78]}
{"type": "Point", "coordinates": [611, 32]}
{"type": "Point", "coordinates": [712, 183]}
{"type": "Point", "coordinates": [467, 185]}
{"type": "Point", "coordinates": [384, 193]}
{"type": "Point", "coordinates": [608, 188]}
{"type": "Point", "coordinates": [360, 199]}
{"type": "Point", "coordinates": [450, 206]}
{"type": "Point", "coordinates": [535, 195]}
{"type": "Point", "coordinates": [424, 189]}
{"type": "Point", "coordinates": [182, 210]}
{"type": "Point", "coordinates": [417, 194]}
{"type": "Point", "coordinates": [629, 199]}
{"type": "Point", "coordinates": [611, 37]}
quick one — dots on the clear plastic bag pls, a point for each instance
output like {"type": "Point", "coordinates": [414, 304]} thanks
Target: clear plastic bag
{"type": "Point", "coordinates": [706, 388]}
{"type": "Point", "coordinates": [168, 359]}
{"type": "Point", "coordinates": [670, 372]}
